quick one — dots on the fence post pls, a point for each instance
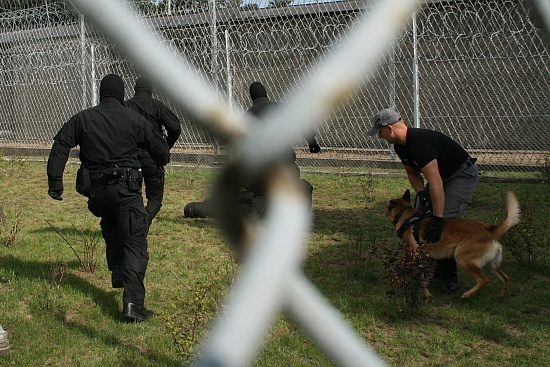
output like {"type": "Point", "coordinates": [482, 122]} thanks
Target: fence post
{"type": "Point", "coordinates": [93, 76]}
{"type": "Point", "coordinates": [392, 103]}
{"type": "Point", "coordinates": [214, 56]}
{"type": "Point", "coordinates": [229, 76]}
{"type": "Point", "coordinates": [83, 61]}
{"type": "Point", "coordinates": [415, 73]}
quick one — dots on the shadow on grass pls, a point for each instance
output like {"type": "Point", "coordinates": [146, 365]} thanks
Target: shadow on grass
{"type": "Point", "coordinates": [43, 270]}
{"type": "Point", "coordinates": [108, 301]}
{"type": "Point", "coordinates": [112, 339]}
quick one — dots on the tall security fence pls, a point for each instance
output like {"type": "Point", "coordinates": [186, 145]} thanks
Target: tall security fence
{"type": "Point", "coordinates": [475, 70]}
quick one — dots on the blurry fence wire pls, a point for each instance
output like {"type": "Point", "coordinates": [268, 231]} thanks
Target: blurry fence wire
{"type": "Point", "coordinates": [270, 278]}
{"type": "Point", "coordinates": [475, 70]}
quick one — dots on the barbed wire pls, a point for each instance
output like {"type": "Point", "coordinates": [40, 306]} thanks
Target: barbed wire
{"type": "Point", "coordinates": [482, 64]}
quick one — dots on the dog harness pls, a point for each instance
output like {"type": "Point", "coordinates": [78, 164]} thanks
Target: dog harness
{"type": "Point", "coordinates": [414, 221]}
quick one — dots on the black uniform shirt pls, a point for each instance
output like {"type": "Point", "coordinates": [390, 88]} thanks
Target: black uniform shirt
{"type": "Point", "coordinates": [108, 134]}
{"type": "Point", "coordinates": [157, 114]}
{"type": "Point", "coordinates": [424, 145]}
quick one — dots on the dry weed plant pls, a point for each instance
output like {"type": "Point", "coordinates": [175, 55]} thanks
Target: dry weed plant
{"type": "Point", "coordinates": [9, 225]}
{"type": "Point", "coordinates": [84, 246]}
{"type": "Point", "coordinates": [408, 271]}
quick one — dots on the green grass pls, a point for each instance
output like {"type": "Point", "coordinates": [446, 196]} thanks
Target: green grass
{"type": "Point", "coordinates": [59, 315]}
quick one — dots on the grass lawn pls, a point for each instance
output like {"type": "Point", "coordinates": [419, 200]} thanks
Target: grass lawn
{"type": "Point", "coordinates": [59, 308]}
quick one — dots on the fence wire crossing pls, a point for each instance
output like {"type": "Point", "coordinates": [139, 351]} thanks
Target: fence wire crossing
{"type": "Point", "coordinates": [270, 278]}
{"type": "Point", "coordinates": [333, 64]}
{"type": "Point", "coordinates": [475, 70]}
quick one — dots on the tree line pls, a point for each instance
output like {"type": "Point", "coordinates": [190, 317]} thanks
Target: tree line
{"type": "Point", "coordinates": [148, 6]}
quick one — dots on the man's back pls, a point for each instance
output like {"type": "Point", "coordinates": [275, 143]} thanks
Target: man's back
{"type": "Point", "coordinates": [110, 134]}
{"type": "Point", "coordinates": [160, 116]}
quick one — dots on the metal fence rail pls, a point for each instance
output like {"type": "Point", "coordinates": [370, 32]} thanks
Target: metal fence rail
{"type": "Point", "coordinates": [476, 70]}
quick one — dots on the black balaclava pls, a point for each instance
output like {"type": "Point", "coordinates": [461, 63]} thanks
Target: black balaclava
{"type": "Point", "coordinates": [112, 86]}
{"type": "Point", "coordinates": [144, 84]}
{"type": "Point", "coordinates": [257, 90]}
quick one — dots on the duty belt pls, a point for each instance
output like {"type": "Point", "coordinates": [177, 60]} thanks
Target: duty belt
{"type": "Point", "coordinates": [110, 175]}
{"type": "Point", "coordinates": [469, 162]}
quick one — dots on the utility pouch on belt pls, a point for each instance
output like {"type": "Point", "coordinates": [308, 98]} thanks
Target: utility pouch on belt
{"type": "Point", "coordinates": [83, 182]}
{"type": "Point", "coordinates": [134, 180]}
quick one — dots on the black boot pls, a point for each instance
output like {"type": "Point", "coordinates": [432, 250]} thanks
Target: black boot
{"type": "Point", "coordinates": [134, 313]}
{"type": "Point", "coordinates": [449, 275]}
{"type": "Point", "coordinates": [117, 277]}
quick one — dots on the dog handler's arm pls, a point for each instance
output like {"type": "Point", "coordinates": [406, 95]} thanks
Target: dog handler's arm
{"type": "Point", "coordinates": [415, 178]}
{"type": "Point", "coordinates": [437, 192]}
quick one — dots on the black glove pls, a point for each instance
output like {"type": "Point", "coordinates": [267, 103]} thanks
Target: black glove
{"type": "Point", "coordinates": [433, 231]}
{"type": "Point", "coordinates": [55, 194]}
{"type": "Point", "coordinates": [423, 200]}
{"type": "Point", "coordinates": [314, 147]}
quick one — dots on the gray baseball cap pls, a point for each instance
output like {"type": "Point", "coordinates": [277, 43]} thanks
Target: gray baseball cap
{"type": "Point", "coordinates": [383, 118]}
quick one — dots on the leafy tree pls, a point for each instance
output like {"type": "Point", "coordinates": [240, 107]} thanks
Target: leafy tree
{"type": "Point", "coordinates": [146, 6]}
{"type": "Point", "coordinates": [196, 6]}
{"type": "Point", "coordinates": [12, 5]}
{"type": "Point", "coordinates": [250, 6]}
{"type": "Point", "coordinates": [279, 3]}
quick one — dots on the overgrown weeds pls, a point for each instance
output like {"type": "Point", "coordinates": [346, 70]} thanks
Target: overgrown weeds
{"type": "Point", "coordinates": [11, 163]}
{"type": "Point", "coordinates": [408, 272]}
{"type": "Point", "coordinates": [190, 319]}
{"type": "Point", "coordinates": [83, 243]}
{"type": "Point", "coordinates": [9, 225]}
{"type": "Point", "coordinates": [527, 241]}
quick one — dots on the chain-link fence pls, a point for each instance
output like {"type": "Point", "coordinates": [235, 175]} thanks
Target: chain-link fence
{"type": "Point", "coordinates": [475, 70]}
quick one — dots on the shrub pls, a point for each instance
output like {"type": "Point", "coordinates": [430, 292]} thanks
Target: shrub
{"type": "Point", "coordinates": [408, 271]}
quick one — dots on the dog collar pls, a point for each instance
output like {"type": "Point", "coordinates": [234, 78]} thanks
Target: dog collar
{"type": "Point", "coordinates": [399, 215]}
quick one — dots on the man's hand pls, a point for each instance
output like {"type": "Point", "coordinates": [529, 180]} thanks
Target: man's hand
{"type": "Point", "coordinates": [423, 200]}
{"type": "Point", "coordinates": [434, 229]}
{"type": "Point", "coordinates": [314, 147]}
{"type": "Point", "coordinates": [55, 194]}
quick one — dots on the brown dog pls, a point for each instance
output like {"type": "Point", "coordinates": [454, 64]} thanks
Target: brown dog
{"type": "Point", "coordinates": [473, 243]}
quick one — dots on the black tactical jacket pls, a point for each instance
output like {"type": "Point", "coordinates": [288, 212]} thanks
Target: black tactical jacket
{"type": "Point", "coordinates": [157, 114]}
{"type": "Point", "coordinates": [108, 135]}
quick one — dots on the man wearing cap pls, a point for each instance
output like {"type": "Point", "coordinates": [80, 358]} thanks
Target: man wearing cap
{"type": "Point", "coordinates": [162, 119]}
{"type": "Point", "coordinates": [450, 173]}
{"type": "Point", "coordinates": [110, 137]}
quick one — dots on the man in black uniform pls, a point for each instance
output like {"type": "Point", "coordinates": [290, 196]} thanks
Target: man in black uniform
{"type": "Point", "coordinates": [110, 137]}
{"type": "Point", "coordinates": [161, 118]}
{"type": "Point", "coordinates": [260, 106]}
{"type": "Point", "coordinates": [451, 174]}
{"type": "Point", "coordinates": [253, 196]}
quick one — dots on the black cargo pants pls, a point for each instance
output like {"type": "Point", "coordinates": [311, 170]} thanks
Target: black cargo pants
{"type": "Point", "coordinates": [153, 177]}
{"type": "Point", "coordinates": [124, 225]}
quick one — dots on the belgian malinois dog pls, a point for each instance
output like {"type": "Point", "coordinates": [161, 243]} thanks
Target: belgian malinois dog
{"type": "Point", "coordinates": [472, 243]}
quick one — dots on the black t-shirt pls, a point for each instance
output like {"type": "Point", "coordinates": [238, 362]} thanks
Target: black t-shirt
{"type": "Point", "coordinates": [424, 145]}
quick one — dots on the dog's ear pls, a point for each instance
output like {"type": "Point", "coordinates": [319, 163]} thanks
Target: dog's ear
{"type": "Point", "coordinates": [407, 196]}
{"type": "Point", "coordinates": [391, 204]}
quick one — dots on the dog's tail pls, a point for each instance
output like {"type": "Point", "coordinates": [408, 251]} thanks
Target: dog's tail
{"type": "Point", "coordinates": [513, 214]}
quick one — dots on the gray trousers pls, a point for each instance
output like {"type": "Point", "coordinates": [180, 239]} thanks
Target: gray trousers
{"type": "Point", "coordinates": [459, 189]}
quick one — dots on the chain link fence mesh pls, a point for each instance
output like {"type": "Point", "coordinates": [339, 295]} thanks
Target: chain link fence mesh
{"type": "Point", "coordinates": [476, 70]}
